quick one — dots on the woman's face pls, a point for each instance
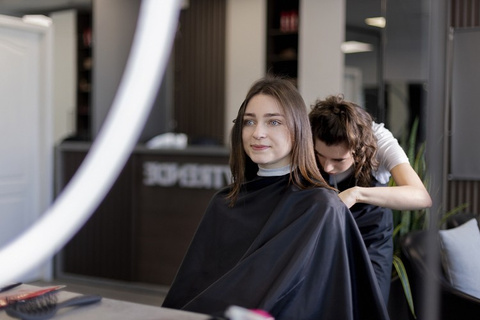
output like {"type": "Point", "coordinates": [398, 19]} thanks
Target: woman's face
{"type": "Point", "coordinates": [334, 159]}
{"type": "Point", "coordinates": [265, 135]}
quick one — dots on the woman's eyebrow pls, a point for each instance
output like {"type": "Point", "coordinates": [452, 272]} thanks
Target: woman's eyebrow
{"type": "Point", "coordinates": [318, 153]}
{"type": "Point", "coordinates": [274, 115]}
{"type": "Point", "coordinates": [266, 115]}
{"type": "Point", "coordinates": [336, 159]}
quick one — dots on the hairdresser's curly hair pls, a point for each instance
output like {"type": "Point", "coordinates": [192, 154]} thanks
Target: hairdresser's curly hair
{"type": "Point", "coordinates": [335, 121]}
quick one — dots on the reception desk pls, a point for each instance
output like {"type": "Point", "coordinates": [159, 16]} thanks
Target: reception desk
{"type": "Point", "coordinates": [143, 227]}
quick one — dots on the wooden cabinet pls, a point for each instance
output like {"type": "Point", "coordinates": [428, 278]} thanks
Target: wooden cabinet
{"type": "Point", "coordinates": [143, 227]}
{"type": "Point", "coordinates": [171, 193]}
{"type": "Point", "coordinates": [282, 38]}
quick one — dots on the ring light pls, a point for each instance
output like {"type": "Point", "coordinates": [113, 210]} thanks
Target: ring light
{"type": "Point", "coordinates": [109, 152]}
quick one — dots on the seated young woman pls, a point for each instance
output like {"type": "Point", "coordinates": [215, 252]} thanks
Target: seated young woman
{"type": "Point", "coordinates": [278, 238]}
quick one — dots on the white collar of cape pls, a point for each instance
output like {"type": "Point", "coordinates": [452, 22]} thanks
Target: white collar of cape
{"type": "Point", "coordinates": [262, 172]}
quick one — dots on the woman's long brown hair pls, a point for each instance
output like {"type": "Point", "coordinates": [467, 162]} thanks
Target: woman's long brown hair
{"type": "Point", "coordinates": [305, 173]}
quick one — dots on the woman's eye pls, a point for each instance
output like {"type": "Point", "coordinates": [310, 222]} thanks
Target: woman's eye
{"type": "Point", "coordinates": [248, 122]}
{"type": "Point", "coordinates": [275, 122]}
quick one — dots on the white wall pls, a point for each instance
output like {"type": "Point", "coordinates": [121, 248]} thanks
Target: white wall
{"type": "Point", "coordinates": [64, 73]}
{"type": "Point", "coordinates": [245, 52]}
{"type": "Point", "coordinates": [321, 63]}
{"type": "Point", "coordinates": [114, 23]}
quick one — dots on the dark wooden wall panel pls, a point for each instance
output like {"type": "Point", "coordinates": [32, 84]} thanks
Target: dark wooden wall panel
{"type": "Point", "coordinates": [90, 252]}
{"type": "Point", "coordinates": [465, 13]}
{"type": "Point", "coordinates": [200, 71]}
{"type": "Point", "coordinates": [464, 192]}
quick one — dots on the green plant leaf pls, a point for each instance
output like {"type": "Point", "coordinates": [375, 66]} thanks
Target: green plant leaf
{"type": "Point", "coordinates": [406, 221]}
{"type": "Point", "coordinates": [411, 221]}
{"type": "Point", "coordinates": [402, 274]}
{"type": "Point", "coordinates": [412, 141]}
{"type": "Point", "coordinates": [450, 213]}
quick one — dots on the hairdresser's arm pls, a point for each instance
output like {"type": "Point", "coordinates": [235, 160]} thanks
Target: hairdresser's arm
{"type": "Point", "coordinates": [408, 194]}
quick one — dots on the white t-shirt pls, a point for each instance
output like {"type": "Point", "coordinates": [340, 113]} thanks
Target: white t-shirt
{"type": "Point", "coordinates": [389, 152]}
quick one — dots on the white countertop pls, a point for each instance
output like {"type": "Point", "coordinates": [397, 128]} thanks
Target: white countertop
{"type": "Point", "coordinates": [113, 309]}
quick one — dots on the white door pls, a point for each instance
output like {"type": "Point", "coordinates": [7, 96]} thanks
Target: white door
{"type": "Point", "coordinates": [25, 129]}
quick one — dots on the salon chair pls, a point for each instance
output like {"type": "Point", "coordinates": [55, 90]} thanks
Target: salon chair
{"type": "Point", "coordinates": [416, 256]}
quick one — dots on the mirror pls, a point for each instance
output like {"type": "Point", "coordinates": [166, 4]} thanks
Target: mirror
{"type": "Point", "coordinates": [394, 73]}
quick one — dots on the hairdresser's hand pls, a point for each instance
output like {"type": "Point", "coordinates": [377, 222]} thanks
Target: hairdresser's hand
{"type": "Point", "coordinates": [349, 196]}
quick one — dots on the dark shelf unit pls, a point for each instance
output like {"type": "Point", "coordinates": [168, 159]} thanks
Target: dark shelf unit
{"type": "Point", "coordinates": [282, 38]}
{"type": "Point", "coordinates": [84, 75]}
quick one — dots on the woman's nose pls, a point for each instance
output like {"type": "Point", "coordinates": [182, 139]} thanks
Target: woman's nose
{"type": "Point", "coordinates": [328, 166]}
{"type": "Point", "coordinates": [259, 132]}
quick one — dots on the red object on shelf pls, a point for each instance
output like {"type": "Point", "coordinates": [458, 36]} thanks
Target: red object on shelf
{"type": "Point", "coordinates": [87, 37]}
{"type": "Point", "coordinates": [289, 21]}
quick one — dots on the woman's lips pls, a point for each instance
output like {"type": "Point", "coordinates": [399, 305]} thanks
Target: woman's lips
{"type": "Point", "coordinates": [258, 147]}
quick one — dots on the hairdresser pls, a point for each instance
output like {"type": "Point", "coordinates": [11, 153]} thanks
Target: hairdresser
{"type": "Point", "coordinates": [357, 156]}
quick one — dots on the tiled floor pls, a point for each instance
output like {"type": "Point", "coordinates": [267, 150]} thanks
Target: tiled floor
{"type": "Point", "coordinates": [138, 293]}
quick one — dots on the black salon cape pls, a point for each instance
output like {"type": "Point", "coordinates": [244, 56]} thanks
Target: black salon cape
{"type": "Point", "coordinates": [296, 254]}
{"type": "Point", "coordinates": [376, 227]}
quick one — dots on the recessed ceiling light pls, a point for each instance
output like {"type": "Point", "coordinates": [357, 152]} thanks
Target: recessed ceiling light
{"type": "Point", "coordinates": [37, 19]}
{"type": "Point", "coordinates": [355, 46]}
{"type": "Point", "coordinates": [378, 22]}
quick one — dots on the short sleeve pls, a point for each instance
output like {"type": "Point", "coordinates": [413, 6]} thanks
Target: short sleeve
{"type": "Point", "coordinates": [389, 152]}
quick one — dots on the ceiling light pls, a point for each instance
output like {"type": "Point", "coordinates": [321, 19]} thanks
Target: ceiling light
{"type": "Point", "coordinates": [378, 22]}
{"type": "Point", "coordinates": [355, 46]}
{"type": "Point", "coordinates": [37, 19]}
